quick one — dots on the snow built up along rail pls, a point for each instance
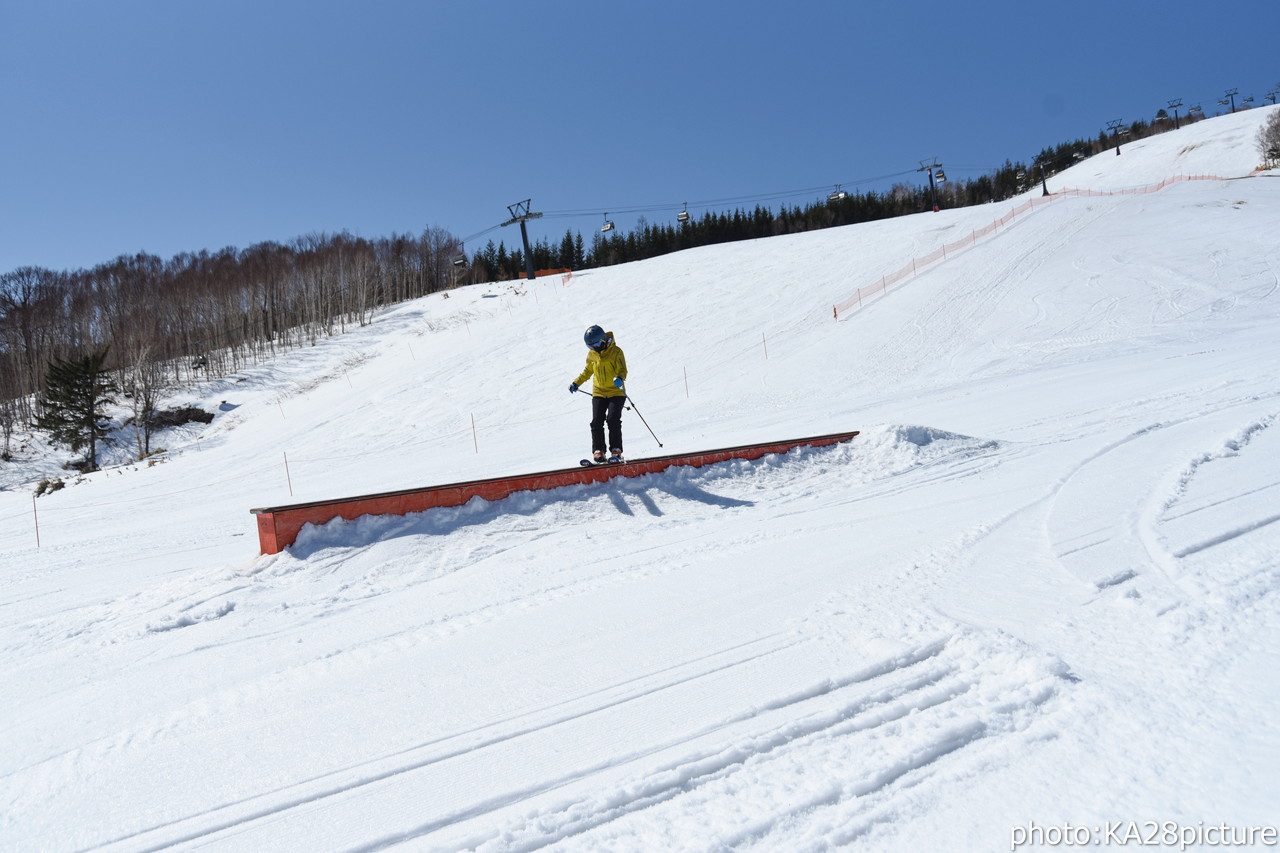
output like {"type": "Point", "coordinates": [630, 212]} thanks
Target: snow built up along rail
{"type": "Point", "coordinates": [278, 526]}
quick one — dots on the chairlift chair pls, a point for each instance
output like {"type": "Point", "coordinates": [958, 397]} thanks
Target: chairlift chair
{"type": "Point", "coordinates": [940, 176]}
{"type": "Point", "coordinates": [838, 194]}
{"type": "Point", "coordinates": [683, 216]}
{"type": "Point", "coordinates": [608, 224]}
{"type": "Point", "coordinates": [460, 261]}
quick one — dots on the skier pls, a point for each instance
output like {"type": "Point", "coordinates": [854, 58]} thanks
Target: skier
{"type": "Point", "coordinates": [607, 368]}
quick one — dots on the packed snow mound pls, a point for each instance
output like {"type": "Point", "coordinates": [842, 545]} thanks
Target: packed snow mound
{"type": "Point", "coordinates": [927, 441]}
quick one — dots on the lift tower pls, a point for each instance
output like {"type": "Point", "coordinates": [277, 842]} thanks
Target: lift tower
{"type": "Point", "coordinates": [520, 213]}
{"type": "Point", "coordinates": [929, 167]}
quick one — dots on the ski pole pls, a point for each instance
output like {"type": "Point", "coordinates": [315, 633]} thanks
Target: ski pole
{"type": "Point", "coordinates": [642, 420]}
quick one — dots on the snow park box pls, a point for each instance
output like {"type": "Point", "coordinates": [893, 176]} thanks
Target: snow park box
{"type": "Point", "coordinates": [278, 526]}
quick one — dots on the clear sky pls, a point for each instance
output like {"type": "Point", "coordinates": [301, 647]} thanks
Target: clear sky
{"type": "Point", "coordinates": [169, 126]}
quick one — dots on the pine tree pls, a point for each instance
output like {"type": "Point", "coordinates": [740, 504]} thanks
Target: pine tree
{"type": "Point", "coordinates": [565, 258]}
{"type": "Point", "coordinates": [76, 391]}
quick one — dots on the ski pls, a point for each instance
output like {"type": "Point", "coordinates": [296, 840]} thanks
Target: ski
{"type": "Point", "coordinates": [590, 463]}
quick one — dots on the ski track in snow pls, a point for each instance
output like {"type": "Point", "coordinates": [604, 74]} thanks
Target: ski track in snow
{"type": "Point", "coordinates": [897, 722]}
{"type": "Point", "coordinates": [1137, 508]}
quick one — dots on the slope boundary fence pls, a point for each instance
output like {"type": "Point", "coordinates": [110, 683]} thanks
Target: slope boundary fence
{"type": "Point", "coordinates": [869, 292]}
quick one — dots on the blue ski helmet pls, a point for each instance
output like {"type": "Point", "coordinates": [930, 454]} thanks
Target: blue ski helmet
{"type": "Point", "coordinates": [595, 338]}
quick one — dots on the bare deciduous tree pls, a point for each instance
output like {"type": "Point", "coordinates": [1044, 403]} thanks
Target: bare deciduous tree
{"type": "Point", "coordinates": [1269, 141]}
{"type": "Point", "coordinates": [143, 382]}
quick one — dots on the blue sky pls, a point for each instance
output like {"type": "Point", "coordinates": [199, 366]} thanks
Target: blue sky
{"type": "Point", "coordinates": [178, 126]}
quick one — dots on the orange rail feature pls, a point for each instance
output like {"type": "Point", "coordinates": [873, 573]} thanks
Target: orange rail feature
{"type": "Point", "coordinates": [278, 526]}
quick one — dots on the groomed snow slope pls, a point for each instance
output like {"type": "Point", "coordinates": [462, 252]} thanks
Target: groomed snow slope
{"type": "Point", "coordinates": [1041, 586]}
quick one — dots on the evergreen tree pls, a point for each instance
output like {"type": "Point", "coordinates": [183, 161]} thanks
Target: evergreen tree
{"type": "Point", "coordinates": [76, 391]}
{"type": "Point", "coordinates": [565, 258]}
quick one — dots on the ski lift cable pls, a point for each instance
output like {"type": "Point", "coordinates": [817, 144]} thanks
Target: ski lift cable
{"type": "Point", "coordinates": [479, 234]}
{"type": "Point", "coordinates": [702, 203]}
{"type": "Point", "coordinates": [664, 207]}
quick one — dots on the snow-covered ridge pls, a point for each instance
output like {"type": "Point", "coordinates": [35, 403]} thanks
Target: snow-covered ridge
{"type": "Point", "coordinates": [1039, 586]}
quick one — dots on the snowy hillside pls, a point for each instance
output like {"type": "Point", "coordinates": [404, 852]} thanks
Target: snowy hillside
{"type": "Point", "coordinates": [1042, 587]}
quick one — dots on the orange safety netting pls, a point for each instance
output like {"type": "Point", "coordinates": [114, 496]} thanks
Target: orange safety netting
{"type": "Point", "coordinates": [915, 265]}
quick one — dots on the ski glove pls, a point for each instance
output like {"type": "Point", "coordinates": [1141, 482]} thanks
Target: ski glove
{"type": "Point", "coordinates": [617, 382]}
{"type": "Point", "coordinates": [573, 387]}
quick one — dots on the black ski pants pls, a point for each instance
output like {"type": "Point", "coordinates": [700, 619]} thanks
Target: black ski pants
{"type": "Point", "coordinates": [606, 411]}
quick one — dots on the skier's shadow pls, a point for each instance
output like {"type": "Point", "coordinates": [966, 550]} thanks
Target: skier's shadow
{"type": "Point", "coordinates": [686, 491]}
{"type": "Point", "coordinates": [443, 521]}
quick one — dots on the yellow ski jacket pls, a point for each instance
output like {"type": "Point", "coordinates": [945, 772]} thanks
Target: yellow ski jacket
{"type": "Point", "coordinates": [602, 367]}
